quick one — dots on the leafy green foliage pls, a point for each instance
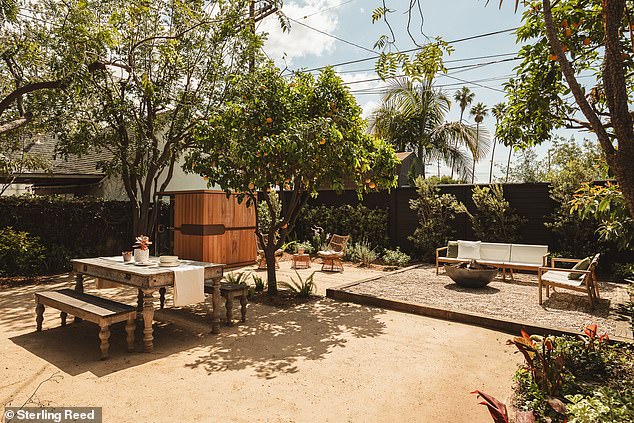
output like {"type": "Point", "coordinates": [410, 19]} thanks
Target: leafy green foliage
{"type": "Point", "coordinates": [164, 70]}
{"type": "Point", "coordinates": [259, 283]}
{"type": "Point", "coordinates": [267, 211]}
{"type": "Point", "coordinates": [20, 253]}
{"type": "Point", "coordinates": [606, 204]}
{"type": "Point", "coordinates": [306, 246]}
{"type": "Point", "coordinates": [579, 379]}
{"type": "Point", "coordinates": [82, 227]}
{"type": "Point", "coordinates": [238, 278]}
{"type": "Point", "coordinates": [299, 134]}
{"type": "Point", "coordinates": [436, 215]}
{"type": "Point", "coordinates": [360, 222]}
{"type": "Point", "coordinates": [396, 258]}
{"type": "Point", "coordinates": [362, 252]}
{"type": "Point", "coordinates": [494, 220]}
{"type": "Point", "coordinates": [302, 287]}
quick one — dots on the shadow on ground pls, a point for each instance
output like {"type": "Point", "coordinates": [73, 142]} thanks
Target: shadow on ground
{"type": "Point", "coordinates": [272, 341]}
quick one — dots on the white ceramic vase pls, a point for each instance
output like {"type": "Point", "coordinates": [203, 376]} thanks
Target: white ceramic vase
{"type": "Point", "coordinates": [141, 256]}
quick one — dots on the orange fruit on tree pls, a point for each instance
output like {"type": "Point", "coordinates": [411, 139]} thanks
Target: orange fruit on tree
{"type": "Point", "coordinates": [568, 32]}
{"type": "Point", "coordinates": [564, 23]}
{"type": "Point", "coordinates": [284, 226]}
{"type": "Point", "coordinates": [368, 180]}
{"type": "Point", "coordinates": [251, 185]}
{"type": "Point", "coordinates": [586, 42]}
{"type": "Point", "coordinates": [553, 57]}
{"type": "Point", "coordinates": [322, 141]}
{"type": "Point", "coordinates": [269, 120]}
{"type": "Point", "coordinates": [372, 185]}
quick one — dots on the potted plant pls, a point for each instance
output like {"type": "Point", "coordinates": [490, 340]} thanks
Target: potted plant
{"type": "Point", "coordinates": [141, 249]}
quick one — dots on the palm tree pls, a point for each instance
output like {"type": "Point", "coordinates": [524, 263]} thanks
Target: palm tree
{"type": "Point", "coordinates": [412, 117]}
{"type": "Point", "coordinates": [479, 111]}
{"type": "Point", "coordinates": [464, 97]}
{"type": "Point", "coordinates": [497, 111]}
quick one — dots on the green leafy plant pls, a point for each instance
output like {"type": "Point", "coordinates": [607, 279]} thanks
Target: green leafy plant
{"type": "Point", "coordinates": [362, 252]}
{"type": "Point", "coordinates": [239, 278]}
{"type": "Point", "coordinates": [302, 287]}
{"type": "Point", "coordinates": [396, 257]}
{"type": "Point", "coordinates": [494, 220]}
{"type": "Point", "coordinates": [259, 283]}
{"type": "Point", "coordinates": [306, 246]}
{"type": "Point", "coordinates": [20, 253]}
{"type": "Point", "coordinates": [436, 215]}
{"type": "Point", "coordinates": [623, 270]}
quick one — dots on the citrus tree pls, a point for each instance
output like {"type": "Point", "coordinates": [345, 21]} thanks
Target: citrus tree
{"type": "Point", "coordinates": [297, 135]}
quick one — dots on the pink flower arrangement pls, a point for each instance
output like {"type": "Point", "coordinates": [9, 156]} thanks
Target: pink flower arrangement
{"type": "Point", "coordinates": [142, 241]}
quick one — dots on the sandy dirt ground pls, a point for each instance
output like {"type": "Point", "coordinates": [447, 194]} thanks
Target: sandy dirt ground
{"type": "Point", "coordinates": [322, 361]}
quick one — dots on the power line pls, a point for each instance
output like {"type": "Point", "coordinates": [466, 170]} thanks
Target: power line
{"type": "Point", "coordinates": [365, 59]}
{"type": "Point", "coordinates": [331, 36]}
{"type": "Point", "coordinates": [326, 9]}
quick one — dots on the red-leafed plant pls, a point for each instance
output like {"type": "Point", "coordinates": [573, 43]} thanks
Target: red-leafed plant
{"type": "Point", "coordinates": [497, 409]}
{"type": "Point", "coordinates": [143, 242]}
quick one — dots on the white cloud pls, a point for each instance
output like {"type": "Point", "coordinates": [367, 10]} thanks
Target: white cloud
{"type": "Point", "coordinates": [369, 107]}
{"type": "Point", "coordinates": [301, 41]}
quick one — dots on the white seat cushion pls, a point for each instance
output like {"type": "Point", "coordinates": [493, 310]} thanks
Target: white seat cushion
{"type": "Point", "coordinates": [494, 251]}
{"type": "Point", "coordinates": [469, 250]}
{"type": "Point", "coordinates": [329, 253]}
{"type": "Point", "coordinates": [530, 254]}
{"type": "Point", "coordinates": [562, 278]}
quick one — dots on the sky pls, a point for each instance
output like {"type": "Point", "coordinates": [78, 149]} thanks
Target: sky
{"type": "Point", "coordinates": [350, 20]}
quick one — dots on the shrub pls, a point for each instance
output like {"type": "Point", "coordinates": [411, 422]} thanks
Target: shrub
{"type": "Point", "coordinates": [436, 215]}
{"type": "Point", "coordinates": [20, 253]}
{"type": "Point", "coordinates": [301, 287]}
{"type": "Point", "coordinates": [494, 220]}
{"type": "Point", "coordinates": [306, 246]}
{"type": "Point", "coordinates": [239, 278]}
{"type": "Point", "coordinates": [259, 283]}
{"type": "Point", "coordinates": [360, 222]}
{"type": "Point", "coordinates": [362, 252]}
{"type": "Point", "coordinates": [396, 258]}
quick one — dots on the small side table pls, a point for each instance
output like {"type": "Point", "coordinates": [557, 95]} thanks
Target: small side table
{"type": "Point", "coordinates": [301, 261]}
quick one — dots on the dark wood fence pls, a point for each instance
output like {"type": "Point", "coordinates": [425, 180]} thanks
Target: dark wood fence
{"type": "Point", "coordinates": [532, 201]}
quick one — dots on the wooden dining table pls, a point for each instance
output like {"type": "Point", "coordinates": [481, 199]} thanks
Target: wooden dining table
{"type": "Point", "coordinates": [147, 280]}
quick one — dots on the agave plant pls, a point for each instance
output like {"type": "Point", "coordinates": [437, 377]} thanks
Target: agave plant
{"type": "Point", "coordinates": [302, 287]}
{"type": "Point", "coordinates": [238, 278]}
{"type": "Point", "coordinates": [143, 242]}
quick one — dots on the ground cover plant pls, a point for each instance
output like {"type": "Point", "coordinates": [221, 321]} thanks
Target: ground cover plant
{"type": "Point", "coordinates": [396, 257]}
{"type": "Point", "coordinates": [571, 379]}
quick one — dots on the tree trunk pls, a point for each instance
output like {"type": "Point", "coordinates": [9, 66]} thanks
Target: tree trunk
{"type": "Point", "coordinates": [476, 149]}
{"type": "Point", "coordinates": [508, 164]}
{"type": "Point", "coordinates": [271, 275]}
{"type": "Point", "coordinates": [492, 161]}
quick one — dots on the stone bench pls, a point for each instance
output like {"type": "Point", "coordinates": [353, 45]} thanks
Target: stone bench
{"type": "Point", "coordinates": [94, 309]}
{"type": "Point", "coordinates": [230, 291]}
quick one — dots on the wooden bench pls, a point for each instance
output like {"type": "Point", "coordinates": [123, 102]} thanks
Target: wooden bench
{"type": "Point", "coordinates": [230, 291]}
{"type": "Point", "coordinates": [97, 310]}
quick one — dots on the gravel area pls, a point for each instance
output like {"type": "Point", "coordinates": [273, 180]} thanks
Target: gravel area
{"type": "Point", "coordinates": [511, 300]}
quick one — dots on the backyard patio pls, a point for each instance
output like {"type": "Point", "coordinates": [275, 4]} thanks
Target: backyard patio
{"type": "Point", "coordinates": [285, 363]}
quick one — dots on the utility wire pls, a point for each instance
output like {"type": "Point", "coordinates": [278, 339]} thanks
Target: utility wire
{"type": "Point", "coordinates": [331, 36]}
{"type": "Point", "coordinates": [326, 9]}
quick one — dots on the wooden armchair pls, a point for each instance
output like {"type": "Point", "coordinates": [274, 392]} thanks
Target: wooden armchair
{"type": "Point", "coordinates": [262, 258]}
{"type": "Point", "coordinates": [558, 277]}
{"type": "Point", "coordinates": [333, 256]}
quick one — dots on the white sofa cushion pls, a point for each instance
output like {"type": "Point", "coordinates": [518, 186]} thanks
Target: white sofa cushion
{"type": "Point", "coordinates": [469, 250]}
{"type": "Point", "coordinates": [495, 252]}
{"type": "Point", "coordinates": [532, 254]}
{"type": "Point", "coordinates": [561, 278]}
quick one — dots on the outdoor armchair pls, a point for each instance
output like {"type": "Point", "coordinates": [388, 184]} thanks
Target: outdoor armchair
{"type": "Point", "coordinates": [561, 278]}
{"type": "Point", "coordinates": [334, 254]}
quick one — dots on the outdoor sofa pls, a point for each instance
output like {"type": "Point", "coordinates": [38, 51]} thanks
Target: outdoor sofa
{"type": "Point", "coordinates": [504, 256]}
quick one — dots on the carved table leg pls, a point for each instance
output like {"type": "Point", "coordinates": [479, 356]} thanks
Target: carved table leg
{"type": "Point", "coordinates": [162, 298]}
{"type": "Point", "coordinates": [62, 316]}
{"type": "Point", "coordinates": [148, 318]}
{"type": "Point", "coordinates": [39, 310]}
{"type": "Point", "coordinates": [79, 287]}
{"type": "Point", "coordinates": [229, 307]}
{"type": "Point", "coordinates": [243, 308]}
{"type": "Point", "coordinates": [215, 298]}
{"type": "Point", "coordinates": [104, 335]}
{"type": "Point", "coordinates": [130, 326]}
{"type": "Point", "coordinates": [139, 301]}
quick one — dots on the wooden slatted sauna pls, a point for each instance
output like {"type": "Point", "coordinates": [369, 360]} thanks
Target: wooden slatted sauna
{"type": "Point", "coordinates": [210, 227]}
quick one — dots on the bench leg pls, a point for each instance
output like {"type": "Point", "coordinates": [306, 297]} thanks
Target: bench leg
{"type": "Point", "coordinates": [229, 307]}
{"type": "Point", "coordinates": [63, 316]}
{"type": "Point", "coordinates": [104, 335]}
{"type": "Point", "coordinates": [130, 327]}
{"type": "Point", "coordinates": [148, 319]}
{"type": "Point", "coordinates": [39, 310]}
{"type": "Point", "coordinates": [162, 297]}
{"type": "Point", "coordinates": [539, 285]}
{"type": "Point", "coordinates": [243, 306]}
{"type": "Point", "coordinates": [79, 287]}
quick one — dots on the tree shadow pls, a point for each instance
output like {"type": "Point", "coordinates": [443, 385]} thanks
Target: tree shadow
{"type": "Point", "coordinates": [485, 290]}
{"type": "Point", "coordinates": [572, 301]}
{"type": "Point", "coordinates": [275, 341]}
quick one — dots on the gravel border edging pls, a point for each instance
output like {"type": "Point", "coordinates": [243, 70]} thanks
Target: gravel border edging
{"type": "Point", "coordinates": [470, 318]}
